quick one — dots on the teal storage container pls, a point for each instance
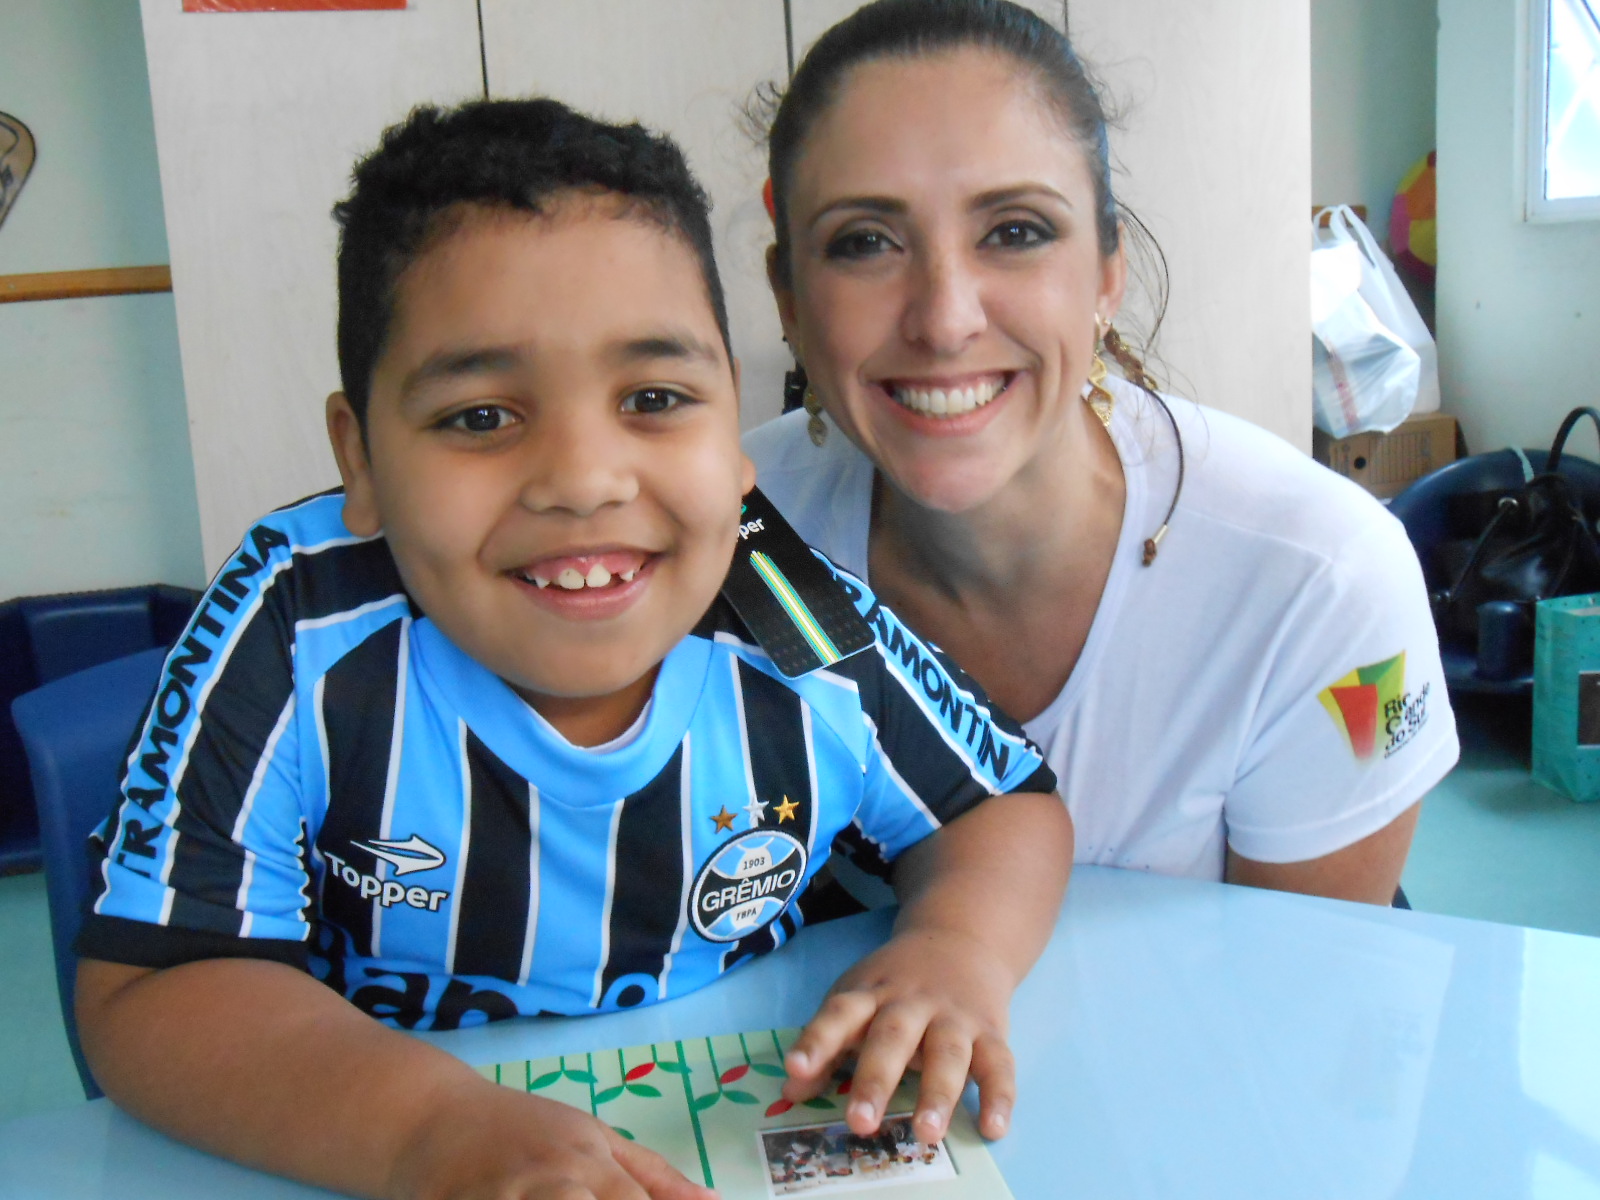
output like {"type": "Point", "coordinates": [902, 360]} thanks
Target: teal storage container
{"type": "Point", "coordinates": [1566, 696]}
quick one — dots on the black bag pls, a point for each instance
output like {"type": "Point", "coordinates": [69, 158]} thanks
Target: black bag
{"type": "Point", "coordinates": [1535, 544]}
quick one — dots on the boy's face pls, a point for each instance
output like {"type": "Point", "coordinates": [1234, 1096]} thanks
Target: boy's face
{"type": "Point", "coordinates": [553, 451]}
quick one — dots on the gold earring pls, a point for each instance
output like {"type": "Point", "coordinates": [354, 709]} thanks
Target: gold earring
{"type": "Point", "coordinates": [1098, 398]}
{"type": "Point", "coordinates": [816, 426]}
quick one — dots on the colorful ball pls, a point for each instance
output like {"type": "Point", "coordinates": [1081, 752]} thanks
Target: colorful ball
{"type": "Point", "coordinates": [1413, 223]}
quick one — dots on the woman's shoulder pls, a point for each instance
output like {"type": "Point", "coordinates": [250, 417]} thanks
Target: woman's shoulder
{"type": "Point", "coordinates": [1248, 480]}
{"type": "Point", "coordinates": [825, 491]}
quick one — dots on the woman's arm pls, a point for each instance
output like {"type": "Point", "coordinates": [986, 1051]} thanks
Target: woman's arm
{"type": "Point", "coordinates": [260, 1063]}
{"type": "Point", "coordinates": [979, 899]}
{"type": "Point", "coordinates": [1368, 870]}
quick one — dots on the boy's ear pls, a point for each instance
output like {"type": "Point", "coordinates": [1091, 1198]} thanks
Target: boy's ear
{"type": "Point", "coordinates": [355, 470]}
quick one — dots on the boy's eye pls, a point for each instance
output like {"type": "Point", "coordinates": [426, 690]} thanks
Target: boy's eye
{"type": "Point", "coordinates": [481, 418]}
{"type": "Point", "coordinates": [653, 400]}
{"type": "Point", "coordinates": [859, 243]}
{"type": "Point", "coordinates": [1018, 233]}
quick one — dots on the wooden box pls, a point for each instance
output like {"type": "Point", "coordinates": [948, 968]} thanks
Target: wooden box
{"type": "Point", "coordinates": [1387, 463]}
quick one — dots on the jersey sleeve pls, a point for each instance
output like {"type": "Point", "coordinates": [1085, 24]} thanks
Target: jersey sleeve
{"type": "Point", "coordinates": [205, 856]}
{"type": "Point", "coordinates": [1353, 724]}
{"type": "Point", "coordinates": [936, 745]}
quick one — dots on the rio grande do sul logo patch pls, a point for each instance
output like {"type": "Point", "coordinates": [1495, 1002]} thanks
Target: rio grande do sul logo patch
{"type": "Point", "coordinates": [1371, 707]}
{"type": "Point", "coordinates": [746, 884]}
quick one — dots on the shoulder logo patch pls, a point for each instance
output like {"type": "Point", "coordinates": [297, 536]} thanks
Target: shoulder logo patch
{"type": "Point", "coordinates": [746, 884]}
{"type": "Point", "coordinates": [1371, 705]}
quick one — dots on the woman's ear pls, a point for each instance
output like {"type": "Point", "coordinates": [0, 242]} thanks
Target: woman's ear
{"type": "Point", "coordinates": [782, 293]}
{"type": "Point", "coordinates": [1113, 277]}
{"type": "Point", "coordinates": [349, 444]}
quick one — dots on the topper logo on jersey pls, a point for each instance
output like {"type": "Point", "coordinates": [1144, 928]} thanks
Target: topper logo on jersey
{"type": "Point", "coordinates": [414, 854]}
{"type": "Point", "coordinates": [746, 884]}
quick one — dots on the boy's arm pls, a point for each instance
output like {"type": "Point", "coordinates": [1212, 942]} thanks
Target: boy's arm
{"type": "Point", "coordinates": [259, 1062]}
{"type": "Point", "coordinates": [978, 901]}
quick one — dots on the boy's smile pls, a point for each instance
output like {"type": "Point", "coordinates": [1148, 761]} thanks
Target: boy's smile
{"type": "Point", "coordinates": [552, 451]}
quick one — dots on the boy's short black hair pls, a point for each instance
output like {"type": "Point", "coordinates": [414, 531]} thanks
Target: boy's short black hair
{"type": "Point", "coordinates": [506, 154]}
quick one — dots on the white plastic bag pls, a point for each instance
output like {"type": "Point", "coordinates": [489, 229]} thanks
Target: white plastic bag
{"type": "Point", "coordinates": [1373, 361]}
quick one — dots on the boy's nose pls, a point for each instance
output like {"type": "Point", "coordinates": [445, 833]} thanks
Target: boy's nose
{"type": "Point", "coordinates": [575, 468]}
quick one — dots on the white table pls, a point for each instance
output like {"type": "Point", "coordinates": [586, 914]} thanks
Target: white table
{"type": "Point", "coordinates": [1176, 1040]}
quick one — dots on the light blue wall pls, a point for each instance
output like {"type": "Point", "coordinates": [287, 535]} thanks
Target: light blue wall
{"type": "Point", "coordinates": [96, 478]}
{"type": "Point", "coordinates": [1518, 303]}
{"type": "Point", "coordinates": [1373, 82]}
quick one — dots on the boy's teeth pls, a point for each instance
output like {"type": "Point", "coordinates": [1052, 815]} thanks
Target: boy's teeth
{"type": "Point", "coordinates": [576, 577]}
{"type": "Point", "coordinates": [951, 402]}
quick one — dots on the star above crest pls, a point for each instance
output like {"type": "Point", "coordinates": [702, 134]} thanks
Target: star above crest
{"type": "Point", "coordinates": [757, 812]}
{"type": "Point", "coordinates": [786, 810]}
{"type": "Point", "coordinates": [723, 820]}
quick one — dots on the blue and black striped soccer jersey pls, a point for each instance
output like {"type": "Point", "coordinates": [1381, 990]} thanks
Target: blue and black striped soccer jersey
{"type": "Point", "coordinates": [323, 778]}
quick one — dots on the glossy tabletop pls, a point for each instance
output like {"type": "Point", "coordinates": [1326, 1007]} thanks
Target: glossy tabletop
{"type": "Point", "coordinates": [1177, 1039]}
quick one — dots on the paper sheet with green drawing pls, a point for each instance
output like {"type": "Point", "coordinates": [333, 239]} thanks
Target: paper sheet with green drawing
{"type": "Point", "coordinates": [713, 1107]}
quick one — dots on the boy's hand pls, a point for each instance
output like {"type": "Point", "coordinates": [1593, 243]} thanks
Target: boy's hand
{"type": "Point", "coordinates": [930, 1001]}
{"type": "Point", "coordinates": [936, 996]}
{"type": "Point", "coordinates": [492, 1143]}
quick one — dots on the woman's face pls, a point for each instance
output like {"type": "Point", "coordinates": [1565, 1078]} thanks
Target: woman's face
{"type": "Point", "coordinates": [946, 273]}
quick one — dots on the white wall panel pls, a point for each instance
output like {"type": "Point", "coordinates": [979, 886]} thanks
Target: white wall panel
{"type": "Point", "coordinates": [259, 118]}
{"type": "Point", "coordinates": [683, 68]}
{"type": "Point", "coordinates": [1214, 153]}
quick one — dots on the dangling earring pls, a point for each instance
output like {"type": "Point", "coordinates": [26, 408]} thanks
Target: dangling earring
{"type": "Point", "coordinates": [1098, 398]}
{"type": "Point", "coordinates": [816, 426]}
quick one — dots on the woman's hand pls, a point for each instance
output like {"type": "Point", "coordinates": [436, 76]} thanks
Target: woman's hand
{"type": "Point", "coordinates": [927, 1000]}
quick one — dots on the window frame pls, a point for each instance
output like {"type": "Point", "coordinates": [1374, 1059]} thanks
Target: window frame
{"type": "Point", "coordinates": [1536, 207]}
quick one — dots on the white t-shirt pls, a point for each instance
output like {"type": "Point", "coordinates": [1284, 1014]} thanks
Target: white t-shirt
{"type": "Point", "coordinates": [1271, 682]}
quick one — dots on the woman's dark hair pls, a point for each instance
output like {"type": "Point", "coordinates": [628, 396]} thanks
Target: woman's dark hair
{"type": "Point", "coordinates": [515, 155]}
{"type": "Point", "coordinates": [913, 28]}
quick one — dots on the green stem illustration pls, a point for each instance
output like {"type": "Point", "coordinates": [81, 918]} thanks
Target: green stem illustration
{"type": "Point", "coordinates": [594, 1109]}
{"type": "Point", "coordinates": [694, 1117]}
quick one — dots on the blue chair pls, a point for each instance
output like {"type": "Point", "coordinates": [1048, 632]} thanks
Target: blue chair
{"type": "Point", "coordinates": [77, 731]}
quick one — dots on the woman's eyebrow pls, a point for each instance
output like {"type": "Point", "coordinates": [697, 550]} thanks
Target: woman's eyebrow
{"type": "Point", "coordinates": [883, 205]}
{"type": "Point", "coordinates": [1019, 191]}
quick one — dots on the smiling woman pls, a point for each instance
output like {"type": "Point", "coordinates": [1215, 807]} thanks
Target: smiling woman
{"type": "Point", "coordinates": [948, 263]}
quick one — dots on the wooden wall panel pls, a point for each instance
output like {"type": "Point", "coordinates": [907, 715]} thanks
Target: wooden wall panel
{"type": "Point", "coordinates": [684, 68]}
{"type": "Point", "coordinates": [259, 118]}
{"type": "Point", "coordinates": [1213, 151]}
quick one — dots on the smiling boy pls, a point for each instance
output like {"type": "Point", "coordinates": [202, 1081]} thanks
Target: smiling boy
{"type": "Point", "coordinates": [479, 736]}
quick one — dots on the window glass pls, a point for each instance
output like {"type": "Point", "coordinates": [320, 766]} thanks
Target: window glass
{"type": "Point", "coordinates": [1572, 101]}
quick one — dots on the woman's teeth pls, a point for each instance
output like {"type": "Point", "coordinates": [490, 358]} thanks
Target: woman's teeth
{"type": "Point", "coordinates": [574, 580]}
{"type": "Point", "coordinates": [948, 402]}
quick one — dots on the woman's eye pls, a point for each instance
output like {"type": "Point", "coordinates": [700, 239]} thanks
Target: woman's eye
{"type": "Point", "coordinates": [653, 400]}
{"type": "Point", "coordinates": [1018, 233]}
{"type": "Point", "coordinates": [482, 418]}
{"type": "Point", "coordinates": [859, 243]}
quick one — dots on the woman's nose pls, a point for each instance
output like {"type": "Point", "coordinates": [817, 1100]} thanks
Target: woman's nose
{"type": "Point", "coordinates": [944, 311]}
{"type": "Point", "coordinates": [576, 467]}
